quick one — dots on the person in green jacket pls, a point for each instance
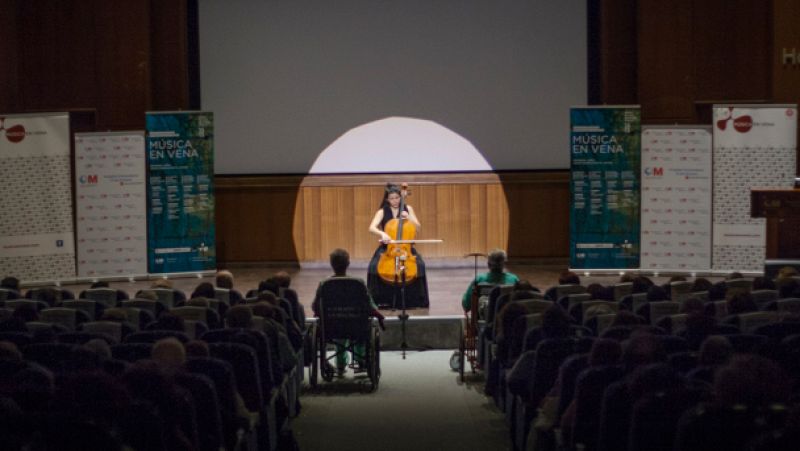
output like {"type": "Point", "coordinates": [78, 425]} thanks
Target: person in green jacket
{"type": "Point", "coordinates": [496, 275]}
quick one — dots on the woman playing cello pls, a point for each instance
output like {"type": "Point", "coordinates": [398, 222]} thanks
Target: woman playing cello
{"type": "Point", "coordinates": [387, 294]}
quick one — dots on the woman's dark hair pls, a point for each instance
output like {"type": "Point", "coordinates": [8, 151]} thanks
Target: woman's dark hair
{"type": "Point", "coordinates": [390, 188]}
{"type": "Point", "coordinates": [568, 278]}
{"type": "Point", "coordinates": [204, 290]}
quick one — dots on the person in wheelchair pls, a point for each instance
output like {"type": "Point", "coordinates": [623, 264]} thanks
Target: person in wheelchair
{"type": "Point", "coordinates": [340, 261]}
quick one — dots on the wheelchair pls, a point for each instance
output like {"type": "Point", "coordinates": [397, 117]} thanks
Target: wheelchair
{"type": "Point", "coordinates": [343, 324]}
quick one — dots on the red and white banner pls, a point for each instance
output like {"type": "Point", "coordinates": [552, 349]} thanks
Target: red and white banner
{"type": "Point", "coordinates": [676, 198]}
{"type": "Point", "coordinates": [111, 206]}
{"type": "Point", "coordinates": [36, 231]}
{"type": "Point", "coordinates": [754, 146]}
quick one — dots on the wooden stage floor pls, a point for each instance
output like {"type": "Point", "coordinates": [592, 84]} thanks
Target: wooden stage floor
{"type": "Point", "coordinates": [446, 283]}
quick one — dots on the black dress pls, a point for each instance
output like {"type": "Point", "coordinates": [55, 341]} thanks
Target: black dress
{"type": "Point", "coordinates": [386, 295]}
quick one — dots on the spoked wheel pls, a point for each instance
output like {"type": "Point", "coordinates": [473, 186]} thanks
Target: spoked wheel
{"type": "Point", "coordinates": [326, 368]}
{"type": "Point", "coordinates": [314, 370]}
{"type": "Point", "coordinates": [373, 360]}
{"type": "Point", "coordinates": [462, 349]}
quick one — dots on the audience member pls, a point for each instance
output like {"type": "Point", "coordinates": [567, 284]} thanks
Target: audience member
{"type": "Point", "coordinates": [169, 353]}
{"type": "Point", "coordinates": [497, 275]}
{"type": "Point", "coordinates": [204, 290]}
{"type": "Point", "coordinates": [701, 284]}
{"type": "Point", "coordinates": [763, 283]}
{"type": "Point", "coordinates": [224, 280]}
{"type": "Point", "coordinates": [656, 293]}
{"type": "Point", "coordinates": [641, 284]}
{"type": "Point", "coordinates": [741, 302]}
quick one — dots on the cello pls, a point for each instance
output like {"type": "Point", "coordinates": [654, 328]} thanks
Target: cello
{"type": "Point", "coordinates": [398, 264]}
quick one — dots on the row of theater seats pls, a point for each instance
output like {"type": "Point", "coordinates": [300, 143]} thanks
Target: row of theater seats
{"type": "Point", "coordinates": [265, 357]}
{"type": "Point", "coordinates": [523, 362]}
{"type": "Point", "coordinates": [243, 361]}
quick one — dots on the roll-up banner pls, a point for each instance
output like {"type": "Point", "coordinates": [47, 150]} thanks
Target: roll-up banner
{"type": "Point", "coordinates": [676, 198]}
{"type": "Point", "coordinates": [604, 189]}
{"type": "Point", "coordinates": [36, 227]}
{"type": "Point", "coordinates": [754, 146]}
{"type": "Point", "coordinates": [180, 190]}
{"type": "Point", "coordinates": [111, 207]}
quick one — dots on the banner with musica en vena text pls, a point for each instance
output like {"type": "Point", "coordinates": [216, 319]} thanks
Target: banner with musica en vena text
{"type": "Point", "coordinates": [180, 191]}
{"type": "Point", "coordinates": [604, 188]}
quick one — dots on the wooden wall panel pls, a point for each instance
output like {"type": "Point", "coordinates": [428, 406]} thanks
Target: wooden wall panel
{"type": "Point", "coordinates": [786, 35]}
{"type": "Point", "coordinates": [617, 52]}
{"type": "Point", "coordinates": [169, 53]}
{"type": "Point", "coordinates": [122, 63]}
{"type": "Point", "coordinates": [664, 61]}
{"type": "Point", "coordinates": [118, 57]}
{"type": "Point", "coordinates": [9, 56]}
{"type": "Point", "coordinates": [731, 49]}
{"type": "Point", "coordinates": [282, 218]}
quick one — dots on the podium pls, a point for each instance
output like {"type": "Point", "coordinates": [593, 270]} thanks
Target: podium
{"type": "Point", "coordinates": [781, 207]}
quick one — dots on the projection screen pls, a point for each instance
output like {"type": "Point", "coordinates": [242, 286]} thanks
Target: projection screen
{"type": "Point", "coordinates": [353, 86]}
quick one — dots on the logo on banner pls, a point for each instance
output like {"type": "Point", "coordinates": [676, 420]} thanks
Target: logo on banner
{"type": "Point", "coordinates": [88, 179]}
{"type": "Point", "coordinates": [741, 124]}
{"type": "Point", "coordinates": [15, 133]}
{"type": "Point", "coordinates": [654, 171]}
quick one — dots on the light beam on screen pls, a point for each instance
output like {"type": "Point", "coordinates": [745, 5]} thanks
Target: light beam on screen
{"type": "Point", "coordinates": [400, 144]}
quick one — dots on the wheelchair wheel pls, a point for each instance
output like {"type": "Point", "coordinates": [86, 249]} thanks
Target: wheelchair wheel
{"type": "Point", "coordinates": [373, 359]}
{"type": "Point", "coordinates": [462, 349]}
{"type": "Point", "coordinates": [314, 366]}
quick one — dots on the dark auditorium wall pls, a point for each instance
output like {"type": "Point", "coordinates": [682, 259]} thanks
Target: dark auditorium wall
{"type": "Point", "coordinates": [674, 58]}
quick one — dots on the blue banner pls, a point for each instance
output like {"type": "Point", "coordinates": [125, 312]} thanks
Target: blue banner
{"type": "Point", "coordinates": [180, 187]}
{"type": "Point", "coordinates": [605, 155]}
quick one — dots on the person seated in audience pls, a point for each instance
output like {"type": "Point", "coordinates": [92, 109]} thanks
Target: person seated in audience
{"type": "Point", "coordinates": [715, 351]}
{"type": "Point", "coordinates": [741, 302]}
{"type": "Point", "coordinates": [668, 285]}
{"type": "Point", "coordinates": [656, 294]}
{"type": "Point", "coordinates": [10, 283]}
{"type": "Point", "coordinates": [224, 279]}
{"type": "Point", "coordinates": [119, 316]}
{"type": "Point", "coordinates": [16, 323]}
{"type": "Point", "coordinates": [204, 290]}
{"type": "Point", "coordinates": [625, 318]}
{"type": "Point", "coordinates": [340, 261]}
{"type": "Point", "coordinates": [788, 288]}
{"type": "Point", "coordinates": [596, 291]}
{"type": "Point", "coordinates": [523, 290]}
{"type": "Point", "coordinates": [565, 278]}
{"type": "Point", "coordinates": [692, 305]}
{"type": "Point", "coordinates": [169, 354]}
{"type": "Point", "coordinates": [555, 324]}
{"type": "Point", "coordinates": [122, 295]}
{"type": "Point", "coordinates": [505, 326]}
{"type": "Point", "coordinates": [9, 351]}
{"type": "Point", "coordinates": [284, 281]}
{"type": "Point", "coordinates": [641, 284]}
{"type": "Point", "coordinates": [701, 284]}
{"type": "Point", "coordinates": [763, 283]}
{"type": "Point", "coordinates": [286, 348]}
{"type": "Point", "coordinates": [99, 347]}
{"type": "Point", "coordinates": [26, 313]}
{"type": "Point", "coordinates": [604, 352]}
{"type": "Point", "coordinates": [146, 381]}
{"type": "Point", "coordinates": [239, 317]}
{"type": "Point", "coordinates": [497, 275]}
{"type": "Point", "coordinates": [751, 380]}
{"type": "Point", "coordinates": [626, 278]}
{"type": "Point", "coordinates": [196, 348]}
{"type": "Point", "coordinates": [166, 284]}
{"type": "Point", "coordinates": [168, 321]}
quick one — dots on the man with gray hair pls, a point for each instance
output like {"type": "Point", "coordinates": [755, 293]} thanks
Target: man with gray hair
{"type": "Point", "coordinates": [496, 275]}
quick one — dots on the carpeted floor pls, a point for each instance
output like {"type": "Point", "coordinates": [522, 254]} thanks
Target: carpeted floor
{"type": "Point", "coordinates": [419, 405]}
